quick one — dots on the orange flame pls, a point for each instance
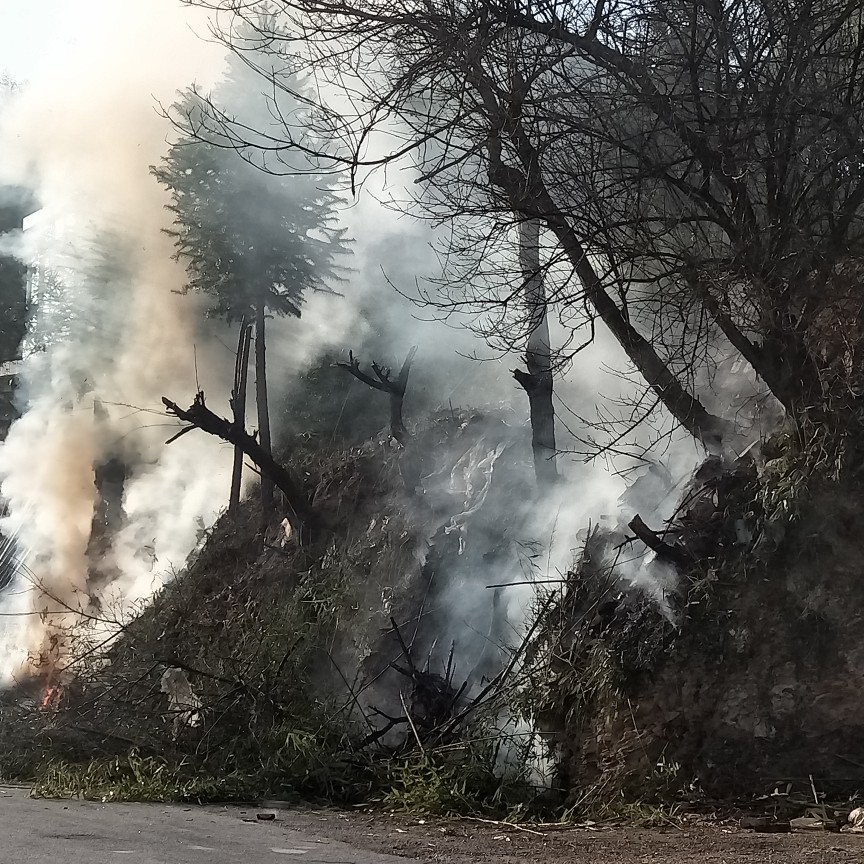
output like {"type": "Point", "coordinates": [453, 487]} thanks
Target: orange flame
{"type": "Point", "coordinates": [51, 696]}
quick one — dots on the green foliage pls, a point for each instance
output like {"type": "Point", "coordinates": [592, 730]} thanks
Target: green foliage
{"type": "Point", "coordinates": [316, 765]}
{"type": "Point", "coordinates": [133, 778]}
{"type": "Point", "coordinates": [430, 783]}
{"type": "Point", "coordinates": [304, 766]}
{"type": "Point", "coordinates": [245, 234]}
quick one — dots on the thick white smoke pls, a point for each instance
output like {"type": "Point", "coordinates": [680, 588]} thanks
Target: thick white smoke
{"type": "Point", "coordinates": [117, 334]}
{"type": "Point", "coordinates": [83, 134]}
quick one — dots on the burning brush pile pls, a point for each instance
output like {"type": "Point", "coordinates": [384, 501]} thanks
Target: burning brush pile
{"type": "Point", "coordinates": [381, 662]}
{"type": "Point", "coordinates": [745, 675]}
{"type": "Point", "coordinates": [372, 662]}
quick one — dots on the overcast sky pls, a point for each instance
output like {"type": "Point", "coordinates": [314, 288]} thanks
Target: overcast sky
{"type": "Point", "coordinates": [28, 31]}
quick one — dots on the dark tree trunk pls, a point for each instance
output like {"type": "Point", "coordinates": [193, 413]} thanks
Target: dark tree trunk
{"type": "Point", "coordinates": [780, 364]}
{"type": "Point", "coordinates": [397, 425]}
{"type": "Point", "coordinates": [527, 193]}
{"type": "Point", "coordinates": [537, 382]}
{"type": "Point", "coordinates": [539, 390]}
{"type": "Point", "coordinates": [681, 404]}
{"type": "Point", "coordinates": [397, 398]}
{"type": "Point", "coordinates": [794, 376]}
{"type": "Point", "coordinates": [302, 516]}
{"type": "Point", "coordinates": [263, 405]}
{"type": "Point", "coordinates": [238, 406]}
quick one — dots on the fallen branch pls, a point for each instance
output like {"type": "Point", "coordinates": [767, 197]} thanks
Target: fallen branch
{"type": "Point", "coordinates": [514, 825]}
{"type": "Point", "coordinates": [303, 518]}
{"type": "Point", "coordinates": [375, 736]}
{"type": "Point", "coordinates": [666, 551]}
{"type": "Point", "coordinates": [495, 685]}
{"type": "Point", "coordinates": [412, 724]}
{"type": "Point", "coordinates": [406, 651]}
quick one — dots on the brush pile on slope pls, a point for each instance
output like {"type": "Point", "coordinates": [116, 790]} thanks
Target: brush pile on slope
{"type": "Point", "coordinates": [328, 671]}
{"type": "Point", "coordinates": [752, 679]}
{"type": "Point", "coordinates": [375, 663]}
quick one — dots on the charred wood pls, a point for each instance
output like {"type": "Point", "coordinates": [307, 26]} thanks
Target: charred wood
{"type": "Point", "coordinates": [673, 554]}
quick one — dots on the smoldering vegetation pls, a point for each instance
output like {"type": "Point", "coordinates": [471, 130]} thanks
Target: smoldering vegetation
{"type": "Point", "coordinates": [372, 665]}
{"type": "Point", "coordinates": [536, 487]}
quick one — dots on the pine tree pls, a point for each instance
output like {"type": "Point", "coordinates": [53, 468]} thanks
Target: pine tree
{"type": "Point", "coordinates": [256, 242]}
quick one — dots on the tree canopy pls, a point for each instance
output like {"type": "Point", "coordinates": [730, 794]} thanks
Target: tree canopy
{"type": "Point", "coordinates": [696, 166]}
{"type": "Point", "coordinates": [246, 236]}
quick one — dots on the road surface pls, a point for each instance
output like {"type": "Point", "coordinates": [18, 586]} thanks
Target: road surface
{"type": "Point", "coordinates": [38, 832]}
{"type": "Point", "coordinates": [48, 832]}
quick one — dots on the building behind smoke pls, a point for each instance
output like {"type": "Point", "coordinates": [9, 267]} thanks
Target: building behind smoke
{"type": "Point", "coordinates": [16, 205]}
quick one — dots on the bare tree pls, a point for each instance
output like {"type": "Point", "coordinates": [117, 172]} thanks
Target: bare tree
{"type": "Point", "coordinates": [382, 380]}
{"type": "Point", "coordinates": [725, 138]}
{"type": "Point", "coordinates": [697, 164]}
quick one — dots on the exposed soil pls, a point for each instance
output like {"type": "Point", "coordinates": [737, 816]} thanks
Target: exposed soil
{"type": "Point", "coordinates": [463, 841]}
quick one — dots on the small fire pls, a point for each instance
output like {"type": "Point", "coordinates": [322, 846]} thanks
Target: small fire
{"type": "Point", "coordinates": [51, 696]}
{"type": "Point", "coordinates": [49, 671]}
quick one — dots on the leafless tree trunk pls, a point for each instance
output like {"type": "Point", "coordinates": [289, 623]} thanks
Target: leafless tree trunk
{"type": "Point", "coordinates": [537, 381]}
{"type": "Point", "coordinates": [382, 381]}
{"type": "Point", "coordinates": [303, 518]}
{"type": "Point", "coordinates": [263, 405]}
{"type": "Point", "coordinates": [527, 193]}
{"type": "Point", "coordinates": [238, 407]}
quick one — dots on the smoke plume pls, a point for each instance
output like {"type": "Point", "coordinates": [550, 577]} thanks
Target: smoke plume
{"type": "Point", "coordinates": [112, 335]}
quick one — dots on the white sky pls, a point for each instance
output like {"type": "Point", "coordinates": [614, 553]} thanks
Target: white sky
{"type": "Point", "coordinates": [28, 33]}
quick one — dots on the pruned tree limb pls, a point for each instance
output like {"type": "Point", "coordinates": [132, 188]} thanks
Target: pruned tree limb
{"type": "Point", "coordinates": [384, 382]}
{"type": "Point", "coordinates": [179, 434]}
{"type": "Point", "coordinates": [673, 554]}
{"type": "Point", "coordinates": [353, 366]}
{"type": "Point", "coordinates": [302, 516]}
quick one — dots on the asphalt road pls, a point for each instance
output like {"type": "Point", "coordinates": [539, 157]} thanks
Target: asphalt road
{"type": "Point", "coordinates": [34, 831]}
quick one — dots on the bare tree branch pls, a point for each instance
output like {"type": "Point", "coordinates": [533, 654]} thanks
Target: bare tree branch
{"type": "Point", "coordinates": [303, 518]}
{"type": "Point", "coordinates": [385, 383]}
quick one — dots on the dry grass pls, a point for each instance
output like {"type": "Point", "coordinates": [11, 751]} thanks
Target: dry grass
{"type": "Point", "coordinates": [272, 640]}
